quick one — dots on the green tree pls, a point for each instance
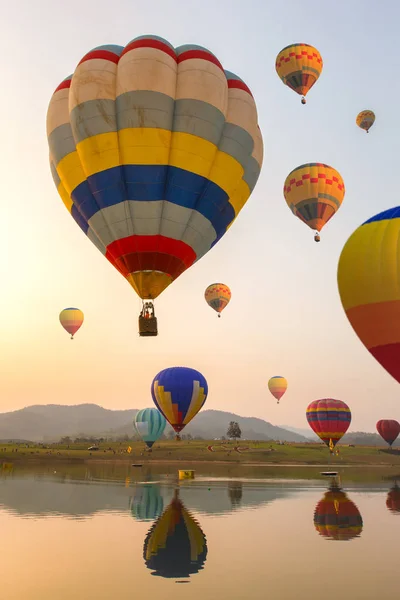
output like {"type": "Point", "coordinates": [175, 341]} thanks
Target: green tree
{"type": "Point", "coordinates": [234, 432]}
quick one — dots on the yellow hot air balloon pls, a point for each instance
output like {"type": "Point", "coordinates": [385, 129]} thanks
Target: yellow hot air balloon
{"type": "Point", "coordinates": [71, 319]}
{"type": "Point", "coordinates": [299, 66]}
{"type": "Point", "coordinates": [314, 192]}
{"type": "Point", "coordinates": [217, 296]}
{"type": "Point", "coordinates": [365, 119]}
{"type": "Point", "coordinates": [277, 385]}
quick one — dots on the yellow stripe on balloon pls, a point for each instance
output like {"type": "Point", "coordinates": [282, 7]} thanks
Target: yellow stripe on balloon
{"type": "Point", "coordinates": [196, 402]}
{"type": "Point", "coordinates": [99, 152]}
{"type": "Point", "coordinates": [165, 402]}
{"type": "Point", "coordinates": [65, 197]}
{"type": "Point", "coordinates": [372, 247]}
{"type": "Point", "coordinates": [70, 172]}
{"type": "Point", "coordinates": [144, 146]}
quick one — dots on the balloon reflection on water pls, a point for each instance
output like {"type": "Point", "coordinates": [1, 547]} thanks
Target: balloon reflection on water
{"type": "Point", "coordinates": [175, 546]}
{"type": "Point", "coordinates": [147, 504]}
{"type": "Point", "coordinates": [336, 517]}
{"type": "Point", "coordinates": [393, 499]}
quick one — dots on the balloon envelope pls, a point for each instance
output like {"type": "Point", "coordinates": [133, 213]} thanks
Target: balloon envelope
{"type": "Point", "coordinates": [150, 425]}
{"type": "Point", "coordinates": [175, 546]}
{"type": "Point", "coordinates": [277, 385]}
{"type": "Point", "coordinates": [217, 296]}
{"type": "Point", "coordinates": [388, 429]}
{"type": "Point", "coordinates": [71, 319]}
{"type": "Point", "coordinates": [393, 499]}
{"type": "Point", "coordinates": [154, 151]}
{"type": "Point", "coordinates": [179, 393]}
{"type": "Point", "coordinates": [299, 67]}
{"type": "Point", "coordinates": [365, 119]}
{"type": "Point", "coordinates": [314, 192]}
{"type": "Point", "coordinates": [336, 517]}
{"type": "Point", "coordinates": [147, 503]}
{"type": "Point", "coordinates": [329, 419]}
{"type": "Point", "coordinates": [368, 281]}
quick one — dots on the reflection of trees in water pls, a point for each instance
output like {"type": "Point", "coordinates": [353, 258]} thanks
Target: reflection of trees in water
{"type": "Point", "coordinates": [235, 492]}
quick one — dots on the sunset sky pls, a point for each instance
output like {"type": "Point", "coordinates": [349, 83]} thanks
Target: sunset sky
{"type": "Point", "coordinates": [285, 316]}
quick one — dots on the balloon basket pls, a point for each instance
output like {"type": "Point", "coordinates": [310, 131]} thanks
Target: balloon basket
{"type": "Point", "coordinates": [186, 474]}
{"type": "Point", "coordinates": [147, 327]}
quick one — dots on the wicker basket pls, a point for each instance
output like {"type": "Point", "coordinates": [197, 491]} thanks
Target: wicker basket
{"type": "Point", "coordinates": [147, 327]}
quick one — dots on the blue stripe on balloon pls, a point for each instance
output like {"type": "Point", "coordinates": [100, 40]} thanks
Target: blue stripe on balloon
{"type": "Point", "coordinates": [391, 213]}
{"type": "Point", "coordinates": [330, 416]}
{"type": "Point", "coordinates": [79, 219]}
{"type": "Point", "coordinates": [152, 183]}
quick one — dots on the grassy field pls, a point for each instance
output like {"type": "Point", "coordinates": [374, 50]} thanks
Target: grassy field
{"type": "Point", "coordinates": [191, 452]}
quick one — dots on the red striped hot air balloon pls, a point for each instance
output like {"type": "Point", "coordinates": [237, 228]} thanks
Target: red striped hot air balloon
{"type": "Point", "coordinates": [336, 517]}
{"type": "Point", "coordinates": [388, 429]}
{"type": "Point", "coordinates": [329, 419]}
{"type": "Point", "coordinates": [393, 499]}
{"type": "Point", "coordinates": [277, 385]}
{"type": "Point", "coordinates": [71, 319]}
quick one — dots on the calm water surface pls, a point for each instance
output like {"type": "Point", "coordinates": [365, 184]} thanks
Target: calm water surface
{"type": "Point", "coordinates": [117, 534]}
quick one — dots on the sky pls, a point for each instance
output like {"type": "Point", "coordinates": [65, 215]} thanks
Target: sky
{"type": "Point", "coordinates": [285, 316]}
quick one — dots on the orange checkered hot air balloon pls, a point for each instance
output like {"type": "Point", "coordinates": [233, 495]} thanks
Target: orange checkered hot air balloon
{"type": "Point", "coordinates": [217, 296]}
{"type": "Point", "coordinates": [299, 67]}
{"type": "Point", "coordinates": [314, 192]}
{"type": "Point", "coordinates": [365, 119]}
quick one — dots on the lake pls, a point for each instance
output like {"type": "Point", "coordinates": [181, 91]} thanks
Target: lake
{"type": "Point", "coordinates": [117, 532]}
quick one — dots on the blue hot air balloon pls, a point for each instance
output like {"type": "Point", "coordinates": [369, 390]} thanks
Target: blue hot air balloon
{"type": "Point", "coordinates": [179, 393]}
{"type": "Point", "coordinates": [147, 503]}
{"type": "Point", "coordinates": [150, 424]}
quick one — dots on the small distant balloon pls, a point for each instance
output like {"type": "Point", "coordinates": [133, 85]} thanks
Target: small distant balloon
{"type": "Point", "coordinates": [329, 419]}
{"type": "Point", "coordinates": [149, 424]}
{"type": "Point", "coordinates": [71, 319]}
{"type": "Point", "coordinates": [217, 296]}
{"type": "Point", "coordinates": [388, 429]}
{"type": "Point", "coordinates": [314, 193]}
{"type": "Point", "coordinates": [299, 67]}
{"type": "Point", "coordinates": [277, 385]}
{"type": "Point", "coordinates": [365, 119]}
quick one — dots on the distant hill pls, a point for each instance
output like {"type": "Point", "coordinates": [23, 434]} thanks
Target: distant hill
{"type": "Point", "coordinates": [52, 421]}
{"type": "Point", "coordinates": [308, 433]}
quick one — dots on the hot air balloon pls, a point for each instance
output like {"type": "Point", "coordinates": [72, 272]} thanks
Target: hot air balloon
{"type": "Point", "coordinates": [149, 424]}
{"type": "Point", "coordinates": [71, 319]}
{"type": "Point", "coordinates": [336, 517]}
{"type": "Point", "coordinates": [299, 66]}
{"type": "Point", "coordinates": [329, 419]}
{"type": "Point", "coordinates": [217, 296]}
{"type": "Point", "coordinates": [154, 151]}
{"type": "Point", "coordinates": [175, 546]}
{"type": "Point", "coordinates": [368, 280]}
{"type": "Point", "coordinates": [314, 193]}
{"type": "Point", "coordinates": [393, 499]}
{"type": "Point", "coordinates": [277, 385]}
{"type": "Point", "coordinates": [179, 393]}
{"type": "Point", "coordinates": [365, 119]}
{"type": "Point", "coordinates": [388, 429]}
{"type": "Point", "coordinates": [147, 503]}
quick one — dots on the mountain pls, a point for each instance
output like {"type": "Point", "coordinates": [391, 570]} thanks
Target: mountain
{"type": "Point", "coordinates": [308, 433]}
{"type": "Point", "coordinates": [52, 421]}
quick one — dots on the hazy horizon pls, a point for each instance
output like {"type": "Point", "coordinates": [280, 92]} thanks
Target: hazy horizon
{"type": "Point", "coordinates": [285, 316]}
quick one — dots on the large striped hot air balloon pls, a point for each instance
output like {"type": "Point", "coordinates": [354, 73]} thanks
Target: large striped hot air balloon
{"type": "Point", "coordinates": [368, 280]}
{"type": "Point", "coordinates": [314, 192]}
{"type": "Point", "coordinates": [365, 119]}
{"type": "Point", "coordinates": [277, 385]}
{"type": "Point", "coordinates": [329, 419]}
{"type": "Point", "coordinates": [154, 151]}
{"type": "Point", "coordinates": [175, 546]}
{"type": "Point", "coordinates": [388, 429]}
{"type": "Point", "coordinates": [299, 66]}
{"type": "Point", "coordinates": [217, 296]}
{"type": "Point", "coordinates": [149, 424]}
{"type": "Point", "coordinates": [71, 319]}
{"type": "Point", "coordinates": [179, 393]}
{"type": "Point", "coordinates": [336, 517]}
